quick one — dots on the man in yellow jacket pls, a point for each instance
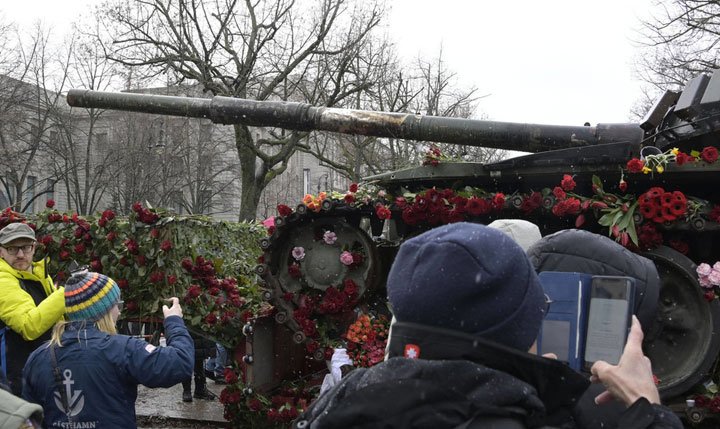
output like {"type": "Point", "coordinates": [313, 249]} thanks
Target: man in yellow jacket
{"type": "Point", "coordinates": [29, 302]}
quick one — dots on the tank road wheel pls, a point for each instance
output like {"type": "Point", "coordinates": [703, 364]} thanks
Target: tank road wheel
{"type": "Point", "coordinates": [317, 262]}
{"type": "Point", "coordinates": [683, 344]}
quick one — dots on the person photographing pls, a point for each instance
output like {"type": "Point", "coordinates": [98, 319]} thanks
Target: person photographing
{"type": "Point", "coordinates": [87, 375]}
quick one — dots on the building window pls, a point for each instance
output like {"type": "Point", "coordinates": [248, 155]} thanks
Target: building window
{"type": "Point", "coordinates": [306, 181]}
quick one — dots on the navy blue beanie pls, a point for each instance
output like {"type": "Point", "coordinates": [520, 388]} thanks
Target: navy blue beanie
{"type": "Point", "coordinates": [470, 278]}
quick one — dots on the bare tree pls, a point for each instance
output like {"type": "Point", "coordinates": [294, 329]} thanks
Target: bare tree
{"type": "Point", "coordinates": [680, 41]}
{"type": "Point", "coordinates": [26, 110]}
{"type": "Point", "coordinates": [428, 88]}
{"type": "Point", "coordinates": [260, 50]}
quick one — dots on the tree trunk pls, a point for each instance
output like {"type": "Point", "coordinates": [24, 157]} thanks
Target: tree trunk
{"type": "Point", "coordinates": [252, 187]}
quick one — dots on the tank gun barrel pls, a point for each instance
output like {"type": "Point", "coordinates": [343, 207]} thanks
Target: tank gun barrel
{"type": "Point", "coordinates": [305, 117]}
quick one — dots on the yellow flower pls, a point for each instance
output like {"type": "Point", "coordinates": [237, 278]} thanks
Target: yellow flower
{"type": "Point", "coordinates": [646, 170]}
{"type": "Point", "coordinates": [675, 151]}
{"type": "Point", "coordinates": [659, 168]}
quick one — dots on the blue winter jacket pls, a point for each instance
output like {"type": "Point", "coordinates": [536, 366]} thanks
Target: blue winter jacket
{"type": "Point", "coordinates": [100, 374]}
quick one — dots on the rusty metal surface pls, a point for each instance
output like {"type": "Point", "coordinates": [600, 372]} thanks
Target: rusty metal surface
{"type": "Point", "coordinates": [305, 117]}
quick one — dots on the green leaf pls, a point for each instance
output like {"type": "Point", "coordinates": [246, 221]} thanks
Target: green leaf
{"type": "Point", "coordinates": [606, 219]}
{"type": "Point", "coordinates": [597, 182]}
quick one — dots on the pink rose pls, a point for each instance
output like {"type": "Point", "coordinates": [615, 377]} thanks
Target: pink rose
{"type": "Point", "coordinates": [704, 282]}
{"type": "Point", "coordinates": [714, 277]}
{"type": "Point", "coordinates": [346, 258]}
{"type": "Point", "coordinates": [298, 253]}
{"type": "Point", "coordinates": [704, 269]}
{"type": "Point", "coordinates": [716, 267]}
{"type": "Point", "coordinates": [329, 237]}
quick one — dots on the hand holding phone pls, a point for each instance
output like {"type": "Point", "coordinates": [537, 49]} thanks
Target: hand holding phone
{"type": "Point", "coordinates": [609, 318]}
{"type": "Point", "coordinates": [632, 378]}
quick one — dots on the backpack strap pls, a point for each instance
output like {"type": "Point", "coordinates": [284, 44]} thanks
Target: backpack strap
{"type": "Point", "coordinates": [59, 383]}
{"type": "Point", "coordinates": [3, 352]}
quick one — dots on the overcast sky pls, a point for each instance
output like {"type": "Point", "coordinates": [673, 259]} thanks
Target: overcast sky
{"type": "Point", "coordinates": [559, 62]}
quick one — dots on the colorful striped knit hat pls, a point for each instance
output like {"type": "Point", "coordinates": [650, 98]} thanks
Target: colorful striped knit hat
{"type": "Point", "coordinates": [88, 295]}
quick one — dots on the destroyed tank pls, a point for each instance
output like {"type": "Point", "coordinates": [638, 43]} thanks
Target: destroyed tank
{"type": "Point", "coordinates": [654, 186]}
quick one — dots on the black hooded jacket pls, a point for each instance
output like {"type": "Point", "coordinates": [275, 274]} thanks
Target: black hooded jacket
{"type": "Point", "coordinates": [464, 382]}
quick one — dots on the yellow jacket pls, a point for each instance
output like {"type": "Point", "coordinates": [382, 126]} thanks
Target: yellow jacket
{"type": "Point", "coordinates": [17, 308]}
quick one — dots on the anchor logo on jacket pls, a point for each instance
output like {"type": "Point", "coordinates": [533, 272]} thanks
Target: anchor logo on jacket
{"type": "Point", "coordinates": [75, 398]}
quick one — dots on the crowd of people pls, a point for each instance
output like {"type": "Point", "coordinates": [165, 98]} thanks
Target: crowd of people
{"type": "Point", "coordinates": [467, 309]}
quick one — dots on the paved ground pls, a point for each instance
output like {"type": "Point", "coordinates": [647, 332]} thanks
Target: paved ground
{"type": "Point", "coordinates": [164, 408]}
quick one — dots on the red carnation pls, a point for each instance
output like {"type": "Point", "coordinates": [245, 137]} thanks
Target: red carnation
{"type": "Point", "coordinates": [559, 193]}
{"type": "Point", "coordinates": [50, 204]}
{"type": "Point", "coordinates": [567, 183]}
{"type": "Point", "coordinates": [498, 201]}
{"type": "Point", "coordinates": [284, 210]}
{"type": "Point", "coordinates": [709, 154]}
{"type": "Point", "coordinates": [166, 245]}
{"type": "Point", "coordinates": [353, 187]}
{"type": "Point", "coordinates": [635, 165]}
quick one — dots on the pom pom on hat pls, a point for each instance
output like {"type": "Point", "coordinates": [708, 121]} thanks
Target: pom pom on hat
{"type": "Point", "coordinates": [470, 278]}
{"type": "Point", "coordinates": [89, 295]}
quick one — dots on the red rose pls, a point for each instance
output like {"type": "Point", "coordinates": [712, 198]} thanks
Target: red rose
{"type": "Point", "coordinates": [111, 236]}
{"type": "Point", "coordinates": [131, 306]}
{"type": "Point", "coordinates": [382, 212]}
{"type": "Point", "coordinates": [559, 193]}
{"type": "Point", "coordinates": [157, 277]}
{"type": "Point", "coordinates": [166, 245]}
{"type": "Point", "coordinates": [284, 210]}
{"type": "Point", "coordinates": [131, 246]}
{"type": "Point", "coordinates": [50, 204]}
{"type": "Point", "coordinates": [683, 158]}
{"type": "Point", "coordinates": [709, 296]}
{"type": "Point", "coordinates": [102, 222]}
{"type": "Point", "coordinates": [294, 271]}
{"type": "Point", "coordinates": [635, 165]}
{"type": "Point", "coordinates": [108, 214]}
{"type": "Point", "coordinates": [46, 240]}
{"type": "Point", "coordinates": [193, 291]}
{"type": "Point", "coordinates": [349, 198]}
{"type": "Point", "coordinates": [141, 260]}
{"type": "Point", "coordinates": [122, 283]}
{"type": "Point", "coordinates": [79, 248]}
{"type": "Point", "coordinates": [400, 202]}
{"type": "Point", "coordinates": [567, 183]}
{"type": "Point", "coordinates": [137, 207]}
{"type": "Point", "coordinates": [230, 376]}
{"type": "Point", "coordinates": [64, 255]}
{"type": "Point", "coordinates": [254, 405]}
{"type": "Point", "coordinates": [96, 265]}
{"type": "Point", "coordinates": [709, 154]}
{"type": "Point", "coordinates": [353, 187]}
{"type": "Point", "coordinates": [187, 264]}
{"type": "Point", "coordinates": [171, 279]}
{"type": "Point", "coordinates": [210, 319]}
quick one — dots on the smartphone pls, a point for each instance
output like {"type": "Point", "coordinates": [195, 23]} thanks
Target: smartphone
{"type": "Point", "coordinates": [609, 318]}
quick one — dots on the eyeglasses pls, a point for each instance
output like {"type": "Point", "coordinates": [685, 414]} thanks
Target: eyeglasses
{"type": "Point", "coordinates": [120, 305]}
{"type": "Point", "coordinates": [13, 250]}
{"type": "Point", "coordinates": [548, 301]}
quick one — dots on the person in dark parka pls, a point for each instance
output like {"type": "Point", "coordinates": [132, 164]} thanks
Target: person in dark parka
{"type": "Point", "coordinates": [574, 250]}
{"type": "Point", "coordinates": [468, 307]}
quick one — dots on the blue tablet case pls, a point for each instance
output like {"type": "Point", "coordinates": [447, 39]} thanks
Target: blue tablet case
{"type": "Point", "coordinates": [565, 325]}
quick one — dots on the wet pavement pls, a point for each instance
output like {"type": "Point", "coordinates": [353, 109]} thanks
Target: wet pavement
{"type": "Point", "coordinates": [164, 408]}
